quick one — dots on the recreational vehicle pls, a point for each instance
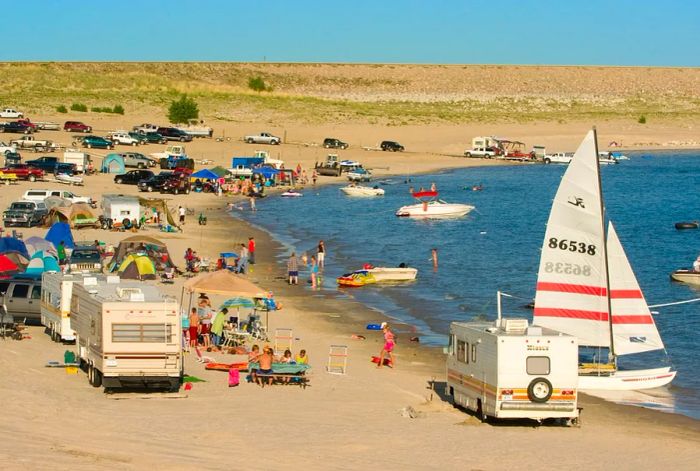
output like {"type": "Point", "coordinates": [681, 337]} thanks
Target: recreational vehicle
{"type": "Point", "coordinates": [509, 369]}
{"type": "Point", "coordinates": [128, 334]}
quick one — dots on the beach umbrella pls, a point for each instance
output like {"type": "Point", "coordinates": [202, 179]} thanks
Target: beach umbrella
{"type": "Point", "coordinates": [237, 302]}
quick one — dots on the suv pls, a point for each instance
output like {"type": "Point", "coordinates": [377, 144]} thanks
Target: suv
{"type": "Point", "coordinates": [41, 195]}
{"type": "Point", "coordinates": [124, 138]}
{"type": "Point", "coordinates": [153, 138]}
{"type": "Point", "coordinates": [26, 213]}
{"type": "Point", "coordinates": [136, 160]}
{"type": "Point", "coordinates": [178, 183]}
{"type": "Point", "coordinates": [97, 142]}
{"type": "Point", "coordinates": [22, 296]}
{"type": "Point", "coordinates": [85, 258]}
{"type": "Point", "coordinates": [133, 177]}
{"type": "Point", "coordinates": [333, 143]}
{"type": "Point", "coordinates": [486, 152]}
{"type": "Point", "coordinates": [76, 126]}
{"type": "Point", "coordinates": [155, 182]}
{"type": "Point", "coordinates": [392, 146]}
{"type": "Point", "coordinates": [174, 134]}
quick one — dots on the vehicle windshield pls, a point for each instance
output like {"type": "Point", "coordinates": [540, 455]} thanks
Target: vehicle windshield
{"type": "Point", "coordinates": [85, 255]}
{"type": "Point", "coordinates": [22, 206]}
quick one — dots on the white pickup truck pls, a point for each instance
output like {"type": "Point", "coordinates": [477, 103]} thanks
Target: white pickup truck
{"type": "Point", "coordinates": [7, 149]}
{"type": "Point", "coordinates": [558, 158]}
{"type": "Point", "coordinates": [11, 113]}
{"type": "Point", "coordinates": [29, 142]}
{"type": "Point", "coordinates": [263, 138]}
{"type": "Point", "coordinates": [41, 195]}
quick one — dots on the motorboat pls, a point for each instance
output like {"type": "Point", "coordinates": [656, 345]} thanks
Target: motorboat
{"type": "Point", "coordinates": [432, 207]}
{"type": "Point", "coordinates": [690, 277]}
{"type": "Point", "coordinates": [70, 179]}
{"type": "Point", "coordinates": [291, 194]}
{"type": "Point", "coordinates": [362, 191]}
{"type": "Point", "coordinates": [383, 274]}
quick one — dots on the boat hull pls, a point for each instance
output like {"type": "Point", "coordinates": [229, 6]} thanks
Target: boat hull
{"type": "Point", "coordinates": [686, 276]}
{"type": "Point", "coordinates": [445, 210]}
{"type": "Point", "coordinates": [362, 191]}
{"type": "Point", "coordinates": [381, 274]}
{"type": "Point", "coordinates": [626, 380]}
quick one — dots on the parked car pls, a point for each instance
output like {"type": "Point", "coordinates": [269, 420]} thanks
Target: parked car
{"type": "Point", "coordinates": [333, 143]}
{"type": "Point", "coordinates": [7, 148]}
{"type": "Point", "coordinates": [136, 160]}
{"type": "Point", "coordinates": [154, 138]}
{"type": "Point", "coordinates": [17, 127]}
{"type": "Point", "coordinates": [133, 177]}
{"type": "Point", "coordinates": [24, 172]}
{"type": "Point", "coordinates": [85, 258]}
{"type": "Point", "coordinates": [25, 213]}
{"type": "Point", "coordinates": [22, 296]}
{"type": "Point", "coordinates": [263, 138]}
{"type": "Point", "coordinates": [392, 146]}
{"type": "Point", "coordinates": [486, 152]}
{"type": "Point", "coordinates": [40, 195]}
{"type": "Point", "coordinates": [11, 113]}
{"type": "Point", "coordinates": [76, 126]}
{"type": "Point", "coordinates": [124, 138]}
{"type": "Point", "coordinates": [97, 142]}
{"type": "Point", "coordinates": [178, 183]}
{"type": "Point", "coordinates": [154, 183]}
{"type": "Point", "coordinates": [174, 134]}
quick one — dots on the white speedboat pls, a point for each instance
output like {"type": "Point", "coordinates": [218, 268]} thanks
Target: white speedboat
{"type": "Point", "coordinates": [432, 207]}
{"type": "Point", "coordinates": [291, 194]}
{"type": "Point", "coordinates": [393, 274]}
{"type": "Point", "coordinates": [690, 277]}
{"type": "Point", "coordinates": [362, 191]}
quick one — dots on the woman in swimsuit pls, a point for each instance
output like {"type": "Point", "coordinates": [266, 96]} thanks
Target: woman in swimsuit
{"type": "Point", "coordinates": [388, 348]}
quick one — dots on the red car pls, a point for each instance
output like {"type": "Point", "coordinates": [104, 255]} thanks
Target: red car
{"type": "Point", "coordinates": [24, 172]}
{"type": "Point", "coordinates": [76, 126]}
{"type": "Point", "coordinates": [28, 123]}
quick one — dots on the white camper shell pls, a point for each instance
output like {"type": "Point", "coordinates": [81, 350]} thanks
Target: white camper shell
{"type": "Point", "coordinates": [509, 370]}
{"type": "Point", "coordinates": [128, 334]}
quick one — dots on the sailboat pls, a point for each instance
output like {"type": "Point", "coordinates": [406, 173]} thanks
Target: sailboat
{"type": "Point", "coordinates": [586, 286]}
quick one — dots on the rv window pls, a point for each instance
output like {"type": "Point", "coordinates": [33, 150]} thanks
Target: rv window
{"type": "Point", "coordinates": [473, 353]}
{"type": "Point", "coordinates": [142, 333]}
{"type": "Point", "coordinates": [538, 365]}
{"type": "Point", "coordinates": [462, 351]}
{"type": "Point", "coordinates": [20, 291]}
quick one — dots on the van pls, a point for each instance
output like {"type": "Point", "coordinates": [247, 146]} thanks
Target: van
{"type": "Point", "coordinates": [136, 160]}
{"type": "Point", "coordinates": [41, 195]}
{"type": "Point", "coordinates": [22, 296]}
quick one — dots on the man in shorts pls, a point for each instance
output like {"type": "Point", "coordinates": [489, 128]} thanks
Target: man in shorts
{"type": "Point", "coordinates": [181, 211]}
{"type": "Point", "coordinates": [321, 255]}
{"type": "Point", "coordinates": [265, 365]}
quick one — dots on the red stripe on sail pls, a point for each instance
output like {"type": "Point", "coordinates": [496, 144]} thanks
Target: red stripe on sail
{"type": "Point", "coordinates": [571, 313]}
{"type": "Point", "coordinates": [569, 288]}
{"type": "Point", "coordinates": [632, 319]}
{"type": "Point", "coordinates": [626, 294]}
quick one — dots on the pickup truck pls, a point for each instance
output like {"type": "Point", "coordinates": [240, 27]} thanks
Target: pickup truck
{"type": "Point", "coordinates": [146, 127]}
{"type": "Point", "coordinates": [41, 125]}
{"type": "Point", "coordinates": [486, 152]}
{"type": "Point", "coordinates": [17, 127]}
{"type": "Point", "coordinates": [11, 113]}
{"type": "Point", "coordinates": [25, 213]}
{"type": "Point", "coordinates": [29, 142]}
{"type": "Point", "coordinates": [23, 172]}
{"type": "Point", "coordinates": [7, 149]}
{"type": "Point", "coordinates": [51, 164]}
{"type": "Point", "coordinates": [41, 195]}
{"type": "Point", "coordinates": [263, 138]}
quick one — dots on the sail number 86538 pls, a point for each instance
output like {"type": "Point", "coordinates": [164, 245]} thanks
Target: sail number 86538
{"type": "Point", "coordinates": [567, 268]}
{"type": "Point", "coordinates": [572, 246]}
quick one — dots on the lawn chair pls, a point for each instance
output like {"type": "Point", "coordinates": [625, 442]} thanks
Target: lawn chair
{"type": "Point", "coordinates": [202, 358]}
{"type": "Point", "coordinates": [168, 276]}
{"type": "Point", "coordinates": [204, 264]}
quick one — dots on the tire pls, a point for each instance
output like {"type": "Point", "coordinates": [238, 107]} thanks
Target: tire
{"type": "Point", "coordinates": [539, 390]}
{"type": "Point", "coordinates": [164, 141]}
{"type": "Point", "coordinates": [31, 178]}
{"type": "Point", "coordinates": [276, 143]}
{"type": "Point", "coordinates": [96, 378]}
{"type": "Point", "coordinates": [249, 141]}
{"type": "Point", "coordinates": [182, 139]}
{"type": "Point", "coordinates": [480, 414]}
{"type": "Point", "coordinates": [118, 181]}
{"type": "Point", "coordinates": [134, 143]}
{"type": "Point", "coordinates": [89, 146]}
{"type": "Point", "coordinates": [90, 375]}
{"type": "Point", "coordinates": [176, 191]}
{"type": "Point", "coordinates": [141, 166]}
{"type": "Point", "coordinates": [547, 160]}
{"type": "Point", "coordinates": [149, 189]}
{"type": "Point", "coordinates": [187, 191]}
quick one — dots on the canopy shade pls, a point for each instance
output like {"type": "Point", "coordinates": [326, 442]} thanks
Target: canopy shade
{"type": "Point", "coordinates": [204, 174]}
{"type": "Point", "coordinates": [224, 282]}
{"type": "Point", "coordinates": [267, 172]}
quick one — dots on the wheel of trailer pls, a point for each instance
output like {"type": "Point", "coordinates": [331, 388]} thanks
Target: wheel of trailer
{"type": "Point", "coordinates": [480, 413]}
{"type": "Point", "coordinates": [126, 223]}
{"type": "Point", "coordinates": [149, 189]}
{"type": "Point", "coordinates": [176, 191]}
{"type": "Point", "coordinates": [539, 390]}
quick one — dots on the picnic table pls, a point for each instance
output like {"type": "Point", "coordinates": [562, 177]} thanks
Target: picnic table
{"type": "Point", "coordinates": [281, 371]}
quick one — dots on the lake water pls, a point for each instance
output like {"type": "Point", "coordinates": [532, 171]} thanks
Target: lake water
{"type": "Point", "coordinates": [497, 247]}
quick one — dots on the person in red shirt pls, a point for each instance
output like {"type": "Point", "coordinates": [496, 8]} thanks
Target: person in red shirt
{"type": "Point", "coordinates": [251, 250]}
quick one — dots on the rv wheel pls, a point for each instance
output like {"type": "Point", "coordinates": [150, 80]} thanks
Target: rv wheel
{"type": "Point", "coordinates": [90, 374]}
{"type": "Point", "coordinates": [539, 390]}
{"type": "Point", "coordinates": [480, 411]}
{"type": "Point", "coordinates": [97, 378]}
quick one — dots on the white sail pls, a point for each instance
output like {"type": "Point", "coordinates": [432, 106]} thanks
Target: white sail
{"type": "Point", "coordinates": [571, 292]}
{"type": "Point", "coordinates": [633, 327]}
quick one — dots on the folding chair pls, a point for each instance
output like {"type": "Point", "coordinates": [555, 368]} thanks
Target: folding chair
{"type": "Point", "coordinates": [284, 338]}
{"type": "Point", "coordinates": [337, 360]}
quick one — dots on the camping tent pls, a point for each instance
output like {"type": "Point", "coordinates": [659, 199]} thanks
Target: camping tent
{"type": "Point", "coordinates": [34, 244]}
{"type": "Point", "coordinates": [113, 163]}
{"type": "Point", "coordinates": [221, 172]}
{"type": "Point", "coordinates": [7, 267]}
{"type": "Point", "coordinates": [41, 263]}
{"type": "Point", "coordinates": [161, 206]}
{"type": "Point", "coordinates": [10, 244]}
{"type": "Point", "coordinates": [151, 247]}
{"type": "Point", "coordinates": [77, 215]}
{"type": "Point", "coordinates": [204, 174]}
{"type": "Point", "coordinates": [60, 231]}
{"type": "Point", "coordinates": [18, 259]}
{"type": "Point", "coordinates": [137, 267]}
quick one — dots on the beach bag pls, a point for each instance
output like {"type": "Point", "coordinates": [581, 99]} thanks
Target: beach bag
{"type": "Point", "coordinates": [234, 376]}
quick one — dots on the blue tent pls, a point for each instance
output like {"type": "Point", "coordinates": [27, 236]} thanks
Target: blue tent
{"type": "Point", "coordinates": [113, 163]}
{"type": "Point", "coordinates": [41, 263]}
{"type": "Point", "coordinates": [10, 244]}
{"type": "Point", "coordinates": [205, 174]}
{"type": "Point", "coordinates": [267, 172]}
{"type": "Point", "coordinates": [60, 231]}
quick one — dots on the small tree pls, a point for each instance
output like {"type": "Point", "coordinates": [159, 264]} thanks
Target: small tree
{"type": "Point", "coordinates": [183, 110]}
{"type": "Point", "coordinates": [257, 84]}
{"type": "Point", "coordinates": [62, 109]}
{"type": "Point", "coordinates": [642, 119]}
{"type": "Point", "coordinates": [118, 109]}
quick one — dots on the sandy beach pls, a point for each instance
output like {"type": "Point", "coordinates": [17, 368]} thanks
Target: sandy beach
{"type": "Point", "coordinates": [54, 420]}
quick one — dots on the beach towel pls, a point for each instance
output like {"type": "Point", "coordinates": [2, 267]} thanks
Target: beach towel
{"type": "Point", "coordinates": [234, 377]}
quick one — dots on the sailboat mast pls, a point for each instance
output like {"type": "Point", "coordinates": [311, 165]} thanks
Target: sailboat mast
{"type": "Point", "coordinates": [605, 245]}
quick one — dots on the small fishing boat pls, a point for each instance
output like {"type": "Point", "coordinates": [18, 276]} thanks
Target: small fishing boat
{"type": "Point", "coordinates": [356, 278]}
{"type": "Point", "coordinates": [362, 191]}
{"type": "Point", "coordinates": [687, 225]}
{"type": "Point", "coordinates": [72, 179]}
{"type": "Point", "coordinates": [690, 277]}
{"type": "Point", "coordinates": [291, 194]}
{"type": "Point", "coordinates": [432, 207]}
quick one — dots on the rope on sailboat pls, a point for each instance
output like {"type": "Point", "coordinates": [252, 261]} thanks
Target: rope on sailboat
{"type": "Point", "coordinates": [675, 303]}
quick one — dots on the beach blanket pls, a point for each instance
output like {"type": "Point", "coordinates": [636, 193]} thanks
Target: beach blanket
{"type": "Point", "coordinates": [283, 368]}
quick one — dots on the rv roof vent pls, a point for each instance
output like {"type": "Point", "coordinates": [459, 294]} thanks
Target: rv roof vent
{"type": "Point", "coordinates": [514, 325]}
{"type": "Point", "coordinates": [128, 292]}
{"type": "Point", "coordinates": [90, 281]}
{"type": "Point", "coordinates": [113, 279]}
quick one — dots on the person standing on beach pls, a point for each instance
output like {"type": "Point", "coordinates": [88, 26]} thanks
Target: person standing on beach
{"type": "Point", "coordinates": [314, 177]}
{"type": "Point", "coordinates": [243, 260]}
{"type": "Point", "coordinates": [194, 327]}
{"type": "Point", "coordinates": [314, 272]}
{"type": "Point", "coordinates": [181, 211]}
{"type": "Point", "coordinates": [61, 252]}
{"type": "Point", "coordinates": [251, 250]}
{"type": "Point", "coordinates": [388, 348]}
{"type": "Point", "coordinates": [321, 255]}
{"type": "Point", "coordinates": [252, 204]}
{"type": "Point", "coordinates": [293, 269]}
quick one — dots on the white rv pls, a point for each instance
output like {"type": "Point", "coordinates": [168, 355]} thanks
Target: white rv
{"type": "Point", "coordinates": [121, 207]}
{"type": "Point", "coordinates": [56, 293]}
{"type": "Point", "coordinates": [128, 334]}
{"type": "Point", "coordinates": [508, 369]}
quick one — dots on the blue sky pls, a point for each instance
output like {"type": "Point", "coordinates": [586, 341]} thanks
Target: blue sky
{"type": "Point", "coordinates": [606, 32]}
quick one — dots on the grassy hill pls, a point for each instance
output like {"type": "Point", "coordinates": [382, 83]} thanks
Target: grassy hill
{"type": "Point", "coordinates": [386, 94]}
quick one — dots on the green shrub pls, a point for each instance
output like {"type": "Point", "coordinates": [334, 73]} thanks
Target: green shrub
{"type": "Point", "coordinates": [258, 84]}
{"type": "Point", "coordinates": [62, 109]}
{"type": "Point", "coordinates": [78, 107]}
{"type": "Point", "coordinates": [96, 109]}
{"type": "Point", "coordinates": [118, 109]}
{"type": "Point", "coordinates": [183, 110]}
{"type": "Point", "coordinates": [642, 119]}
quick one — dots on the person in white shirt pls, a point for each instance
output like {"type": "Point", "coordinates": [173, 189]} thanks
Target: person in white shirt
{"type": "Point", "coordinates": [181, 211]}
{"type": "Point", "coordinates": [696, 264]}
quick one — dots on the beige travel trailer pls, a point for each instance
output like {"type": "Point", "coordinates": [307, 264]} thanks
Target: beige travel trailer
{"type": "Point", "coordinates": [56, 293]}
{"type": "Point", "coordinates": [128, 334]}
{"type": "Point", "coordinates": [509, 369]}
